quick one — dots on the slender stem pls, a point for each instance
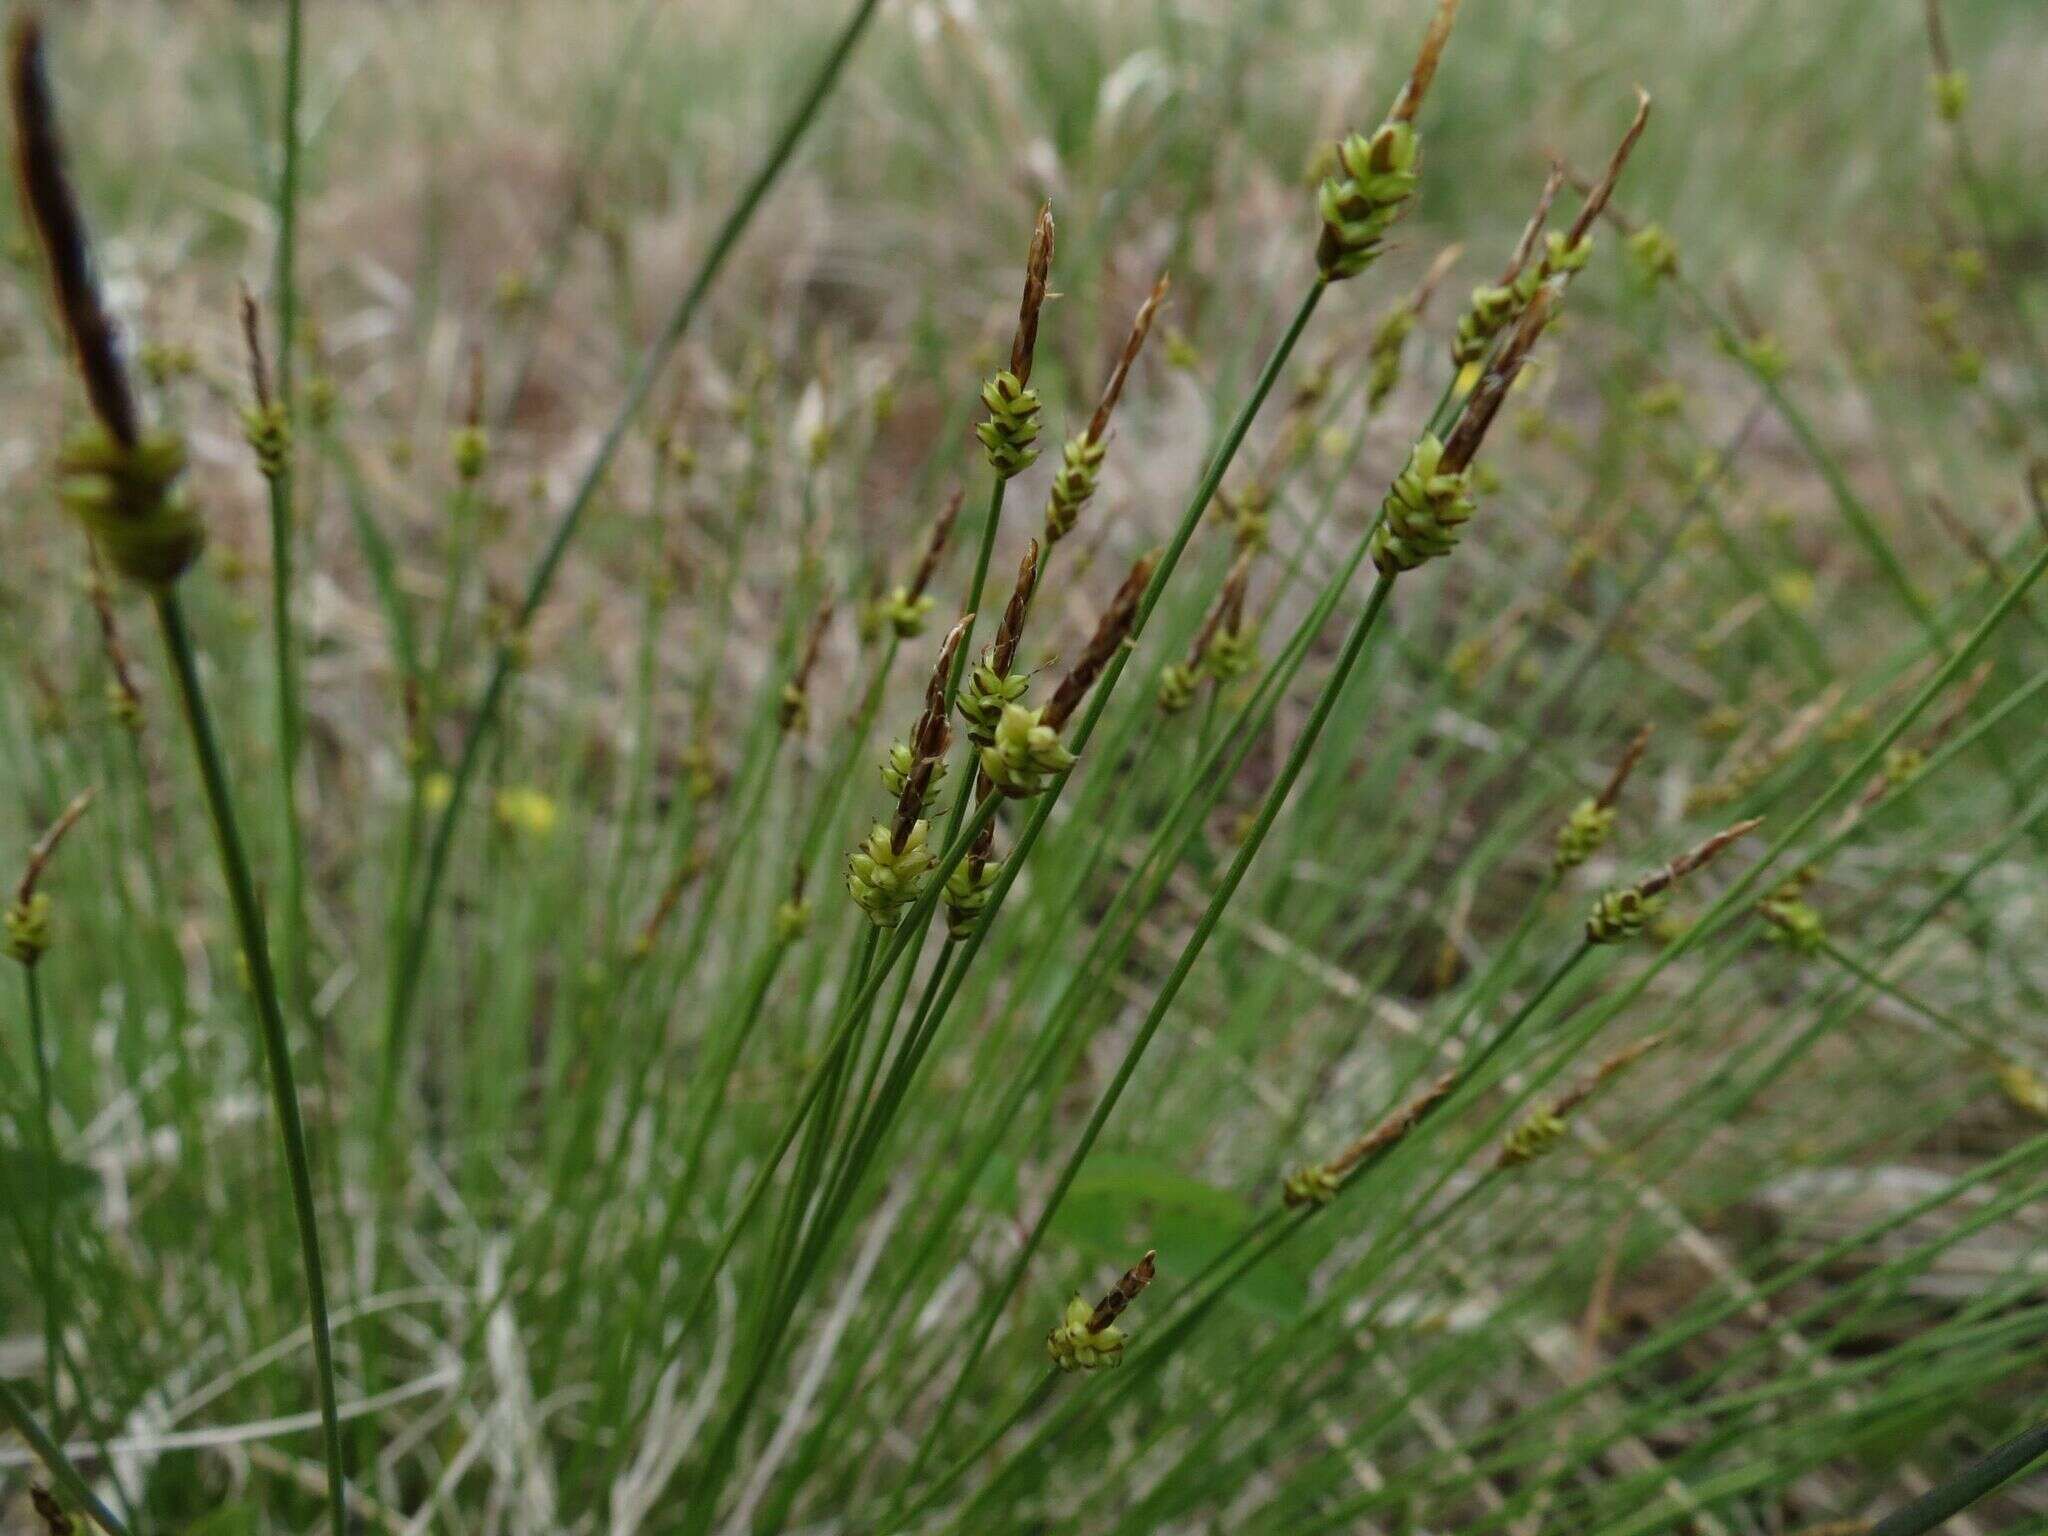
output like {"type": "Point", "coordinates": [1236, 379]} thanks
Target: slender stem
{"type": "Point", "coordinates": [297, 969]}
{"type": "Point", "coordinates": [16, 1413]}
{"type": "Point", "coordinates": [46, 1099]}
{"type": "Point", "coordinates": [284, 278]}
{"type": "Point", "coordinates": [1978, 1038]}
{"type": "Point", "coordinates": [248, 911]}
{"type": "Point", "coordinates": [284, 283]}
{"type": "Point", "coordinates": [405, 975]}
{"type": "Point", "coordinates": [1966, 1487]}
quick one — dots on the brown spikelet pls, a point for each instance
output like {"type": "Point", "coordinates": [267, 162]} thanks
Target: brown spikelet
{"type": "Point", "coordinates": [50, 1512]}
{"type": "Point", "coordinates": [1409, 102]}
{"type": "Point", "coordinates": [1937, 40]}
{"type": "Point", "coordinates": [935, 546]}
{"type": "Point", "coordinates": [1126, 1291]}
{"type": "Point", "coordinates": [983, 848]}
{"type": "Point", "coordinates": [1617, 1063]}
{"type": "Point", "coordinates": [1010, 632]}
{"type": "Point", "coordinates": [473, 412]}
{"type": "Point", "coordinates": [1463, 444]}
{"type": "Point", "coordinates": [252, 340]}
{"type": "Point", "coordinates": [1631, 755]}
{"type": "Point", "coordinates": [691, 866]}
{"type": "Point", "coordinates": [1113, 391]}
{"type": "Point", "coordinates": [793, 708]}
{"type": "Point", "coordinates": [1111, 632]}
{"type": "Point", "coordinates": [1227, 608]}
{"type": "Point", "coordinates": [1393, 1127]}
{"type": "Point", "coordinates": [1697, 858]}
{"type": "Point", "coordinates": [60, 230]}
{"type": "Point", "coordinates": [46, 846]}
{"type": "Point", "coordinates": [128, 696]}
{"type": "Point", "coordinates": [1532, 232]}
{"type": "Point", "coordinates": [931, 735]}
{"type": "Point", "coordinates": [1603, 189]}
{"type": "Point", "coordinates": [1037, 268]}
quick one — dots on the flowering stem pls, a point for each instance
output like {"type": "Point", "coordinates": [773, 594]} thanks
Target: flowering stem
{"type": "Point", "coordinates": [234, 862]}
{"type": "Point", "coordinates": [992, 1309]}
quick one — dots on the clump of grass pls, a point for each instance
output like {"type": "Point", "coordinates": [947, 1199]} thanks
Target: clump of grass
{"type": "Point", "coordinates": [676, 1173]}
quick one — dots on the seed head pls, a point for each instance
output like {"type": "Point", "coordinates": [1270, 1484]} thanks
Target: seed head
{"type": "Point", "coordinates": [1082, 454]}
{"type": "Point", "coordinates": [1585, 831]}
{"type": "Point", "coordinates": [1112, 631]}
{"type": "Point", "coordinates": [265, 422]}
{"type": "Point", "coordinates": [1012, 426]}
{"type": "Point", "coordinates": [1623, 913]}
{"type": "Point", "coordinates": [67, 249]}
{"type": "Point", "coordinates": [27, 919]}
{"type": "Point", "coordinates": [117, 479]}
{"type": "Point", "coordinates": [1543, 1129]}
{"type": "Point", "coordinates": [794, 708]}
{"type": "Point", "coordinates": [1087, 1338]}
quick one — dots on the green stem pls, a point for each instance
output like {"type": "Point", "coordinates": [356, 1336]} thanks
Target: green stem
{"type": "Point", "coordinates": [1966, 1487]}
{"type": "Point", "coordinates": [46, 1101]}
{"type": "Point", "coordinates": [1961, 1028]}
{"type": "Point", "coordinates": [297, 968]}
{"type": "Point", "coordinates": [405, 974]}
{"type": "Point", "coordinates": [284, 279]}
{"type": "Point", "coordinates": [284, 283]}
{"type": "Point", "coordinates": [16, 1413]}
{"type": "Point", "coordinates": [248, 911]}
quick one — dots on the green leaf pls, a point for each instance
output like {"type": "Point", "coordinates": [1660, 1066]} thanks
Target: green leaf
{"type": "Point", "coordinates": [1122, 1204]}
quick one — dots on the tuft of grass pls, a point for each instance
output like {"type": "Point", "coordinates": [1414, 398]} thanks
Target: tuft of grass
{"type": "Point", "coordinates": [1540, 971]}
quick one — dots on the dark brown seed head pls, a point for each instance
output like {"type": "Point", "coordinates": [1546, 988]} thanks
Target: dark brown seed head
{"type": "Point", "coordinates": [1110, 632]}
{"type": "Point", "coordinates": [1394, 1127]}
{"type": "Point", "coordinates": [46, 845]}
{"type": "Point", "coordinates": [935, 546]}
{"type": "Point", "coordinates": [1619, 1061]}
{"type": "Point", "coordinates": [1037, 268]}
{"type": "Point", "coordinates": [252, 339]}
{"type": "Point", "coordinates": [1631, 755]}
{"type": "Point", "coordinates": [1696, 858]}
{"type": "Point", "coordinates": [1113, 391]}
{"type": "Point", "coordinates": [814, 644]}
{"type": "Point", "coordinates": [1937, 40]}
{"type": "Point", "coordinates": [1126, 1291]}
{"type": "Point", "coordinates": [473, 414]}
{"type": "Point", "coordinates": [1228, 608]}
{"type": "Point", "coordinates": [1010, 632]}
{"type": "Point", "coordinates": [1409, 102]}
{"type": "Point", "coordinates": [931, 735]}
{"type": "Point", "coordinates": [1603, 189]}
{"type": "Point", "coordinates": [60, 229]}
{"type": "Point", "coordinates": [1532, 232]}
